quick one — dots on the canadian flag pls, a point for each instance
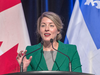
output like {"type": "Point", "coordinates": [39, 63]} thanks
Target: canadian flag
{"type": "Point", "coordinates": [13, 34]}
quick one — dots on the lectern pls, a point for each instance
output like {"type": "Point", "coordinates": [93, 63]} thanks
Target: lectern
{"type": "Point", "coordinates": [48, 73]}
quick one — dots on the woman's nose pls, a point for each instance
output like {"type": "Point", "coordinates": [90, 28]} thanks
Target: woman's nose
{"type": "Point", "coordinates": [46, 28]}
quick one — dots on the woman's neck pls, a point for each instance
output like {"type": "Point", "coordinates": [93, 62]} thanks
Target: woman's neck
{"type": "Point", "coordinates": [47, 46]}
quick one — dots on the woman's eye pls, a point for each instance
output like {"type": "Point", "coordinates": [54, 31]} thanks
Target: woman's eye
{"type": "Point", "coordinates": [51, 25]}
{"type": "Point", "coordinates": [42, 25]}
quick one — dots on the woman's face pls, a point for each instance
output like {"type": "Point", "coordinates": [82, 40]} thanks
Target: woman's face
{"type": "Point", "coordinates": [48, 29]}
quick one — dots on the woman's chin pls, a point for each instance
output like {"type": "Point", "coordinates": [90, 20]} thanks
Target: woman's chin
{"type": "Point", "coordinates": [47, 40]}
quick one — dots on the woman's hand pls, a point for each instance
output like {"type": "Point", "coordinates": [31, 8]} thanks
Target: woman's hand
{"type": "Point", "coordinates": [26, 61]}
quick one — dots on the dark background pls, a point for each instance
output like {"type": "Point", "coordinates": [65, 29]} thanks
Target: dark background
{"type": "Point", "coordinates": [34, 8]}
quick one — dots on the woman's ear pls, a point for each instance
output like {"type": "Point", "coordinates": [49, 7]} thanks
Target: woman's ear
{"type": "Point", "coordinates": [58, 32]}
{"type": "Point", "coordinates": [39, 32]}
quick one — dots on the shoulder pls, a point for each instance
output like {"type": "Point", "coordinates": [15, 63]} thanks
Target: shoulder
{"type": "Point", "coordinates": [71, 46]}
{"type": "Point", "coordinates": [67, 48]}
{"type": "Point", "coordinates": [33, 47]}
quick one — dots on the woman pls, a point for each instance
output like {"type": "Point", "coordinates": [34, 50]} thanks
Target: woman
{"type": "Point", "coordinates": [49, 26]}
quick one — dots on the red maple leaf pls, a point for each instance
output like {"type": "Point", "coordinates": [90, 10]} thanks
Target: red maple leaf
{"type": "Point", "coordinates": [0, 43]}
{"type": "Point", "coordinates": [8, 62]}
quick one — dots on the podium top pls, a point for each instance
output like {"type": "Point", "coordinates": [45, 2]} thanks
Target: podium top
{"type": "Point", "coordinates": [49, 73]}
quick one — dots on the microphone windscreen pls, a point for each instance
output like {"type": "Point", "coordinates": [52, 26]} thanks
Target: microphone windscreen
{"type": "Point", "coordinates": [51, 40]}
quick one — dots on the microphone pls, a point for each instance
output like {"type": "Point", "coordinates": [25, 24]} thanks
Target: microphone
{"type": "Point", "coordinates": [21, 66]}
{"type": "Point", "coordinates": [54, 60]}
{"type": "Point", "coordinates": [51, 40]}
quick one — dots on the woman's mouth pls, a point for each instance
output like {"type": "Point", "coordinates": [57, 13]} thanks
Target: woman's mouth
{"type": "Point", "coordinates": [47, 34]}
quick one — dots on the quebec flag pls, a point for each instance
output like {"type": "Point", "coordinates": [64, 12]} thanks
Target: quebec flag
{"type": "Point", "coordinates": [84, 32]}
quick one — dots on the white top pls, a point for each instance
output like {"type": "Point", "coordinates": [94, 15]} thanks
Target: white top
{"type": "Point", "coordinates": [50, 57]}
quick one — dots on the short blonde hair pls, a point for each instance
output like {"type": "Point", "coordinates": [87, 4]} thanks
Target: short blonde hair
{"type": "Point", "coordinates": [55, 18]}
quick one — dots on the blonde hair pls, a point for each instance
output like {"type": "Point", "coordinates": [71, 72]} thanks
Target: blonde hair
{"type": "Point", "coordinates": [55, 18]}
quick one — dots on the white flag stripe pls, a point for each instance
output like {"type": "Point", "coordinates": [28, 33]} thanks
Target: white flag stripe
{"type": "Point", "coordinates": [13, 28]}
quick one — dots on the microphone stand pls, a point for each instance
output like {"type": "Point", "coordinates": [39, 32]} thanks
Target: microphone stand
{"type": "Point", "coordinates": [21, 66]}
{"type": "Point", "coordinates": [51, 40]}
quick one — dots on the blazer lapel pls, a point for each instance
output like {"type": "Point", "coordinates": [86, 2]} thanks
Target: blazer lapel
{"type": "Point", "coordinates": [41, 60]}
{"type": "Point", "coordinates": [60, 58]}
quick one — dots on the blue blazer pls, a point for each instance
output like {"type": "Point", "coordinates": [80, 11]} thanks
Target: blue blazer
{"type": "Point", "coordinates": [38, 62]}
